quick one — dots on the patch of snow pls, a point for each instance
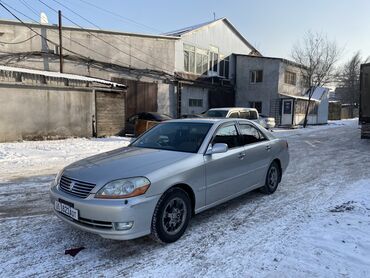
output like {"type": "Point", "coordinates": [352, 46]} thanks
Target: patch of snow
{"type": "Point", "coordinates": [334, 244]}
{"type": "Point", "coordinates": [285, 132]}
{"type": "Point", "coordinates": [23, 158]}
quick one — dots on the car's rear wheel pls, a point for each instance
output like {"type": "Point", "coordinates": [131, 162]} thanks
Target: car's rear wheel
{"type": "Point", "coordinates": [171, 216]}
{"type": "Point", "coordinates": [272, 178]}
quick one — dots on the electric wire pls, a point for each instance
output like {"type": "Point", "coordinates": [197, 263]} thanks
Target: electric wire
{"type": "Point", "coordinates": [75, 53]}
{"type": "Point", "coordinates": [119, 38]}
{"type": "Point", "coordinates": [19, 42]}
{"type": "Point", "coordinates": [120, 16]}
{"type": "Point", "coordinates": [108, 43]}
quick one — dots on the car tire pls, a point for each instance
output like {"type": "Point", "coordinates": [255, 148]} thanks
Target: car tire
{"type": "Point", "coordinates": [171, 216]}
{"type": "Point", "coordinates": [273, 178]}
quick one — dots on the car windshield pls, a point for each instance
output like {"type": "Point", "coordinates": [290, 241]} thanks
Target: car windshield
{"type": "Point", "coordinates": [175, 136]}
{"type": "Point", "coordinates": [216, 113]}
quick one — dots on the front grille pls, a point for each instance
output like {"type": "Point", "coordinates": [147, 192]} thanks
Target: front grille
{"type": "Point", "coordinates": [74, 187]}
{"type": "Point", "coordinates": [90, 223]}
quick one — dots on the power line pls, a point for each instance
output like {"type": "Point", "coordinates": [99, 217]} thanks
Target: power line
{"type": "Point", "coordinates": [99, 38]}
{"type": "Point", "coordinates": [29, 7]}
{"type": "Point", "coordinates": [92, 23]}
{"type": "Point", "coordinates": [82, 45]}
{"type": "Point", "coordinates": [120, 16]}
{"type": "Point", "coordinates": [37, 33]}
{"type": "Point", "coordinates": [19, 42]}
{"type": "Point", "coordinates": [119, 38]}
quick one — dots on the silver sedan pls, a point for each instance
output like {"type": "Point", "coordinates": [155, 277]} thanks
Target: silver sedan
{"type": "Point", "coordinates": [175, 170]}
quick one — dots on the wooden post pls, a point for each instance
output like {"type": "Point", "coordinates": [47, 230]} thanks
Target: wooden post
{"type": "Point", "coordinates": [60, 41]}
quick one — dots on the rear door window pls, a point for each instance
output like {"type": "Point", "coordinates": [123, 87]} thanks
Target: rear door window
{"type": "Point", "coordinates": [253, 115]}
{"type": "Point", "coordinates": [227, 134]}
{"type": "Point", "coordinates": [250, 134]}
{"type": "Point", "coordinates": [244, 114]}
{"type": "Point", "coordinates": [234, 115]}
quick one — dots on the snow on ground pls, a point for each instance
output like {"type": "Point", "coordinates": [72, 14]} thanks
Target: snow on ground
{"type": "Point", "coordinates": [286, 132]}
{"type": "Point", "coordinates": [24, 158]}
{"type": "Point", "coordinates": [317, 224]}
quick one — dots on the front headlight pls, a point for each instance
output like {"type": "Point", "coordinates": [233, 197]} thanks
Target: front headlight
{"type": "Point", "coordinates": [124, 188]}
{"type": "Point", "coordinates": [57, 178]}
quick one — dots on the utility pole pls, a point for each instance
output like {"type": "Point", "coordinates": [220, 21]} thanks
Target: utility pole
{"type": "Point", "coordinates": [60, 42]}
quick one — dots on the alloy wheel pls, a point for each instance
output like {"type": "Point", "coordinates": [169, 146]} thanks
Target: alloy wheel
{"type": "Point", "coordinates": [174, 216]}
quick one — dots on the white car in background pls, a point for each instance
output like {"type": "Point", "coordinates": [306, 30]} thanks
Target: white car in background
{"type": "Point", "coordinates": [269, 122]}
{"type": "Point", "coordinates": [243, 113]}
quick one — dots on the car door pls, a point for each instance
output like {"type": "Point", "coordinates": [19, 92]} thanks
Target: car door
{"type": "Point", "coordinates": [224, 171]}
{"type": "Point", "coordinates": [257, 154]}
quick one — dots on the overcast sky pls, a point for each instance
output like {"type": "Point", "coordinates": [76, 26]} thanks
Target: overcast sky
{"type": "Point", "coordinates": [271, 26]}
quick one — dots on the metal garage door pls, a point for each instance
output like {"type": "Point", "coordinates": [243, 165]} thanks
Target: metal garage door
{"type": "Point", "coordinates": [140, 96]}
{"type": "Point", "coordinates": [221, 97]}
{"type": "Point", "coordinates": [110, 113]}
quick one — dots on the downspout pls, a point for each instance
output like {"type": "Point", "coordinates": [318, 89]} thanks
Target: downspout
{"type": "Point", "coordinates": [93, 116]}
{"type": "Point", "coordinates": [178, 110]}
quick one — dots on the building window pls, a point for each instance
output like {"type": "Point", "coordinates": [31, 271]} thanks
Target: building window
{"type": "Point", "coordinates": [257, 105]}
{"type": "Point", "coordinates": [189, 58]}
{"type": "Point", "coordinates": [224, 66]}
{"type": "Point", "coordinates": [198, 57]}
{"type": "Point", "coordinates": [256, 76]}
{"type": "Point", "coordinates": [193, 102]}
{"type": "Point", "coordinates": [213, 59]}
{"type": "Point", "coordinates": [305, 81]}
{"type": "Point", "coordinates": [290, 78]}
{"type": "Point", "coordinates": [201, 61]}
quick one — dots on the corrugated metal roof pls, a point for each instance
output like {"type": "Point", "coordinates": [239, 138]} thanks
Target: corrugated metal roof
{"type": "Point", "coordinates": [297, 97]}
{"type": "Point", "coordinates": [185, 30]}
{"type": "Point", "coordinates": [317, 95]}
{"type": "Point", "coordinates": [62, 75]}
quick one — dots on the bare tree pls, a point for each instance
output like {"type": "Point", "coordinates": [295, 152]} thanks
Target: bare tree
{"type": "Point", "coordinates": [349, 81]}
{"type": "Point", "coordinates": [317, 56]}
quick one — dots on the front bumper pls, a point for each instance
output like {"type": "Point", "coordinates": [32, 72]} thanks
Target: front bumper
{"type": "Point", "coordinates": [98, 215]}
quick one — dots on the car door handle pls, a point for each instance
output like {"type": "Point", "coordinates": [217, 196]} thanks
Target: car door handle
{"type": "Point", "coordinates": [268, 148]}
{"type": "Point", "coordinates": [241, 155]}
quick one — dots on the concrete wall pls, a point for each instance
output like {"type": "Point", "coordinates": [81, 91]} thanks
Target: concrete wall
{"type": "Point", "coordinates": [265, 91]}
{"type": "Point", "coordinates": [130, 50]}
{"type": "Point", "coordinates": [36, 112]}
{"type": "Point", "coordinates": [296, 90]}
{"type": "Point", "coordinates": [272, 85]}
{"type": "Point", "coordinates": [191, 92]}
{"type": "Point", "coordinates": [298, 119]}
{"type": "Point", "coordinates": [166, 99]}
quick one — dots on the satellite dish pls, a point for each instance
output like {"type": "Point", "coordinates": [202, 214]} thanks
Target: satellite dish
{"type": "Point", "coordinates": [44, 18]}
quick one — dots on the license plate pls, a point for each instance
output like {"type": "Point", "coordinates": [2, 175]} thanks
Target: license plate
{"type": "Point", "coordinates": [65, 209]}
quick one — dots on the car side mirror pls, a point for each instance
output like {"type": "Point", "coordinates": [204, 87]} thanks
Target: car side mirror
{"type": "Point", "coordinates": [217, 148]}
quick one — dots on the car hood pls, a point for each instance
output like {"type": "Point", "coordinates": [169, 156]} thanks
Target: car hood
{"type": "Point", "coordinates": [121, 163]}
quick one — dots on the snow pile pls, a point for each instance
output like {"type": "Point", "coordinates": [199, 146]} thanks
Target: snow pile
{"type": "Point", "coordinates": [286, 132]}
{"type": "Point", "coordinates": [22, 158]}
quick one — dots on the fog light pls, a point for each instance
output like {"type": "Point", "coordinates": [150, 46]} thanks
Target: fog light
{"type": "Point", "coordinates": [122, 226]}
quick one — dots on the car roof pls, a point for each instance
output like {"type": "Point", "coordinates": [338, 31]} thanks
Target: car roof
{"type": "Point", "coordinates": [231, 108]}
{"type": "Point", "coordinates": [207, 120]}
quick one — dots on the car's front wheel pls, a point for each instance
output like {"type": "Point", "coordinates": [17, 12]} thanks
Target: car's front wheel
{"type": "Point", "coordinates": [171, 216]}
